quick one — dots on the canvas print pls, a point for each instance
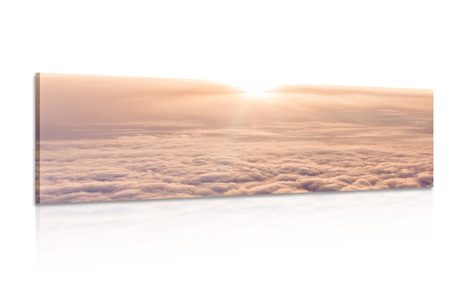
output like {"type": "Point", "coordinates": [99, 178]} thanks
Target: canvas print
{"type": "Point", "coordinates": [105, 138]}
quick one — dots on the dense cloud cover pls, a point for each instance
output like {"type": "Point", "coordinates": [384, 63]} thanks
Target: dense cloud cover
{"type": "Point", "coordinates": [207, 163]}
{"type": "Point", "coordinates": [108, 139]}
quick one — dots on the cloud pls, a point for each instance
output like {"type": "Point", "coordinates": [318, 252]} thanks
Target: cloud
{"type": "Point", "coordinates": [425, 179]}
{"type": "Point", "coordinates": [202, 164]}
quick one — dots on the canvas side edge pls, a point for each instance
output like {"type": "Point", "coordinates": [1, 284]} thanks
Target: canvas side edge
{"type": "Point", "coordinates": [37, 137]}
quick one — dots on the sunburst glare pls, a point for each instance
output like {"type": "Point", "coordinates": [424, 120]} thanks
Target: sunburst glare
{"type": "Point", "coordinates": [256, 91]}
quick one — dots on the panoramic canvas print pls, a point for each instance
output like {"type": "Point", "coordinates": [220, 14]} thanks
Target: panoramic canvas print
{"type": "Point", "coordinates": [102, 138]}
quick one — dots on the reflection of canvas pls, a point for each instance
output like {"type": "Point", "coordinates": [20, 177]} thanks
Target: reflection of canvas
{"type": "Point", "coordinates": [118, 138]}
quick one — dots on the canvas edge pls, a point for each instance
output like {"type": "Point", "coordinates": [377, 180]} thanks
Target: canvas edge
{"type": "Point", "coordinates": [37, 137]}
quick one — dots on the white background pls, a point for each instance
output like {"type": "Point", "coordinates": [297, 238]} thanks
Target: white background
{"type": "Point", "coordinates": [404, 240]}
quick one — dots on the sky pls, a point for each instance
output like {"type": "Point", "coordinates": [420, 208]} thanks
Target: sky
{"type": "Point", "coordinates": [126, 138]}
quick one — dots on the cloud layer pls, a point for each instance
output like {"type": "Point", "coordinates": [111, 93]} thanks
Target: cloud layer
{"type": "Point", "coordinates": [204, 163]}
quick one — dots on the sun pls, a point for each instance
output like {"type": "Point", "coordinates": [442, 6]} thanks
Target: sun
{"type": "Point", "coordinates": [255, 91]}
